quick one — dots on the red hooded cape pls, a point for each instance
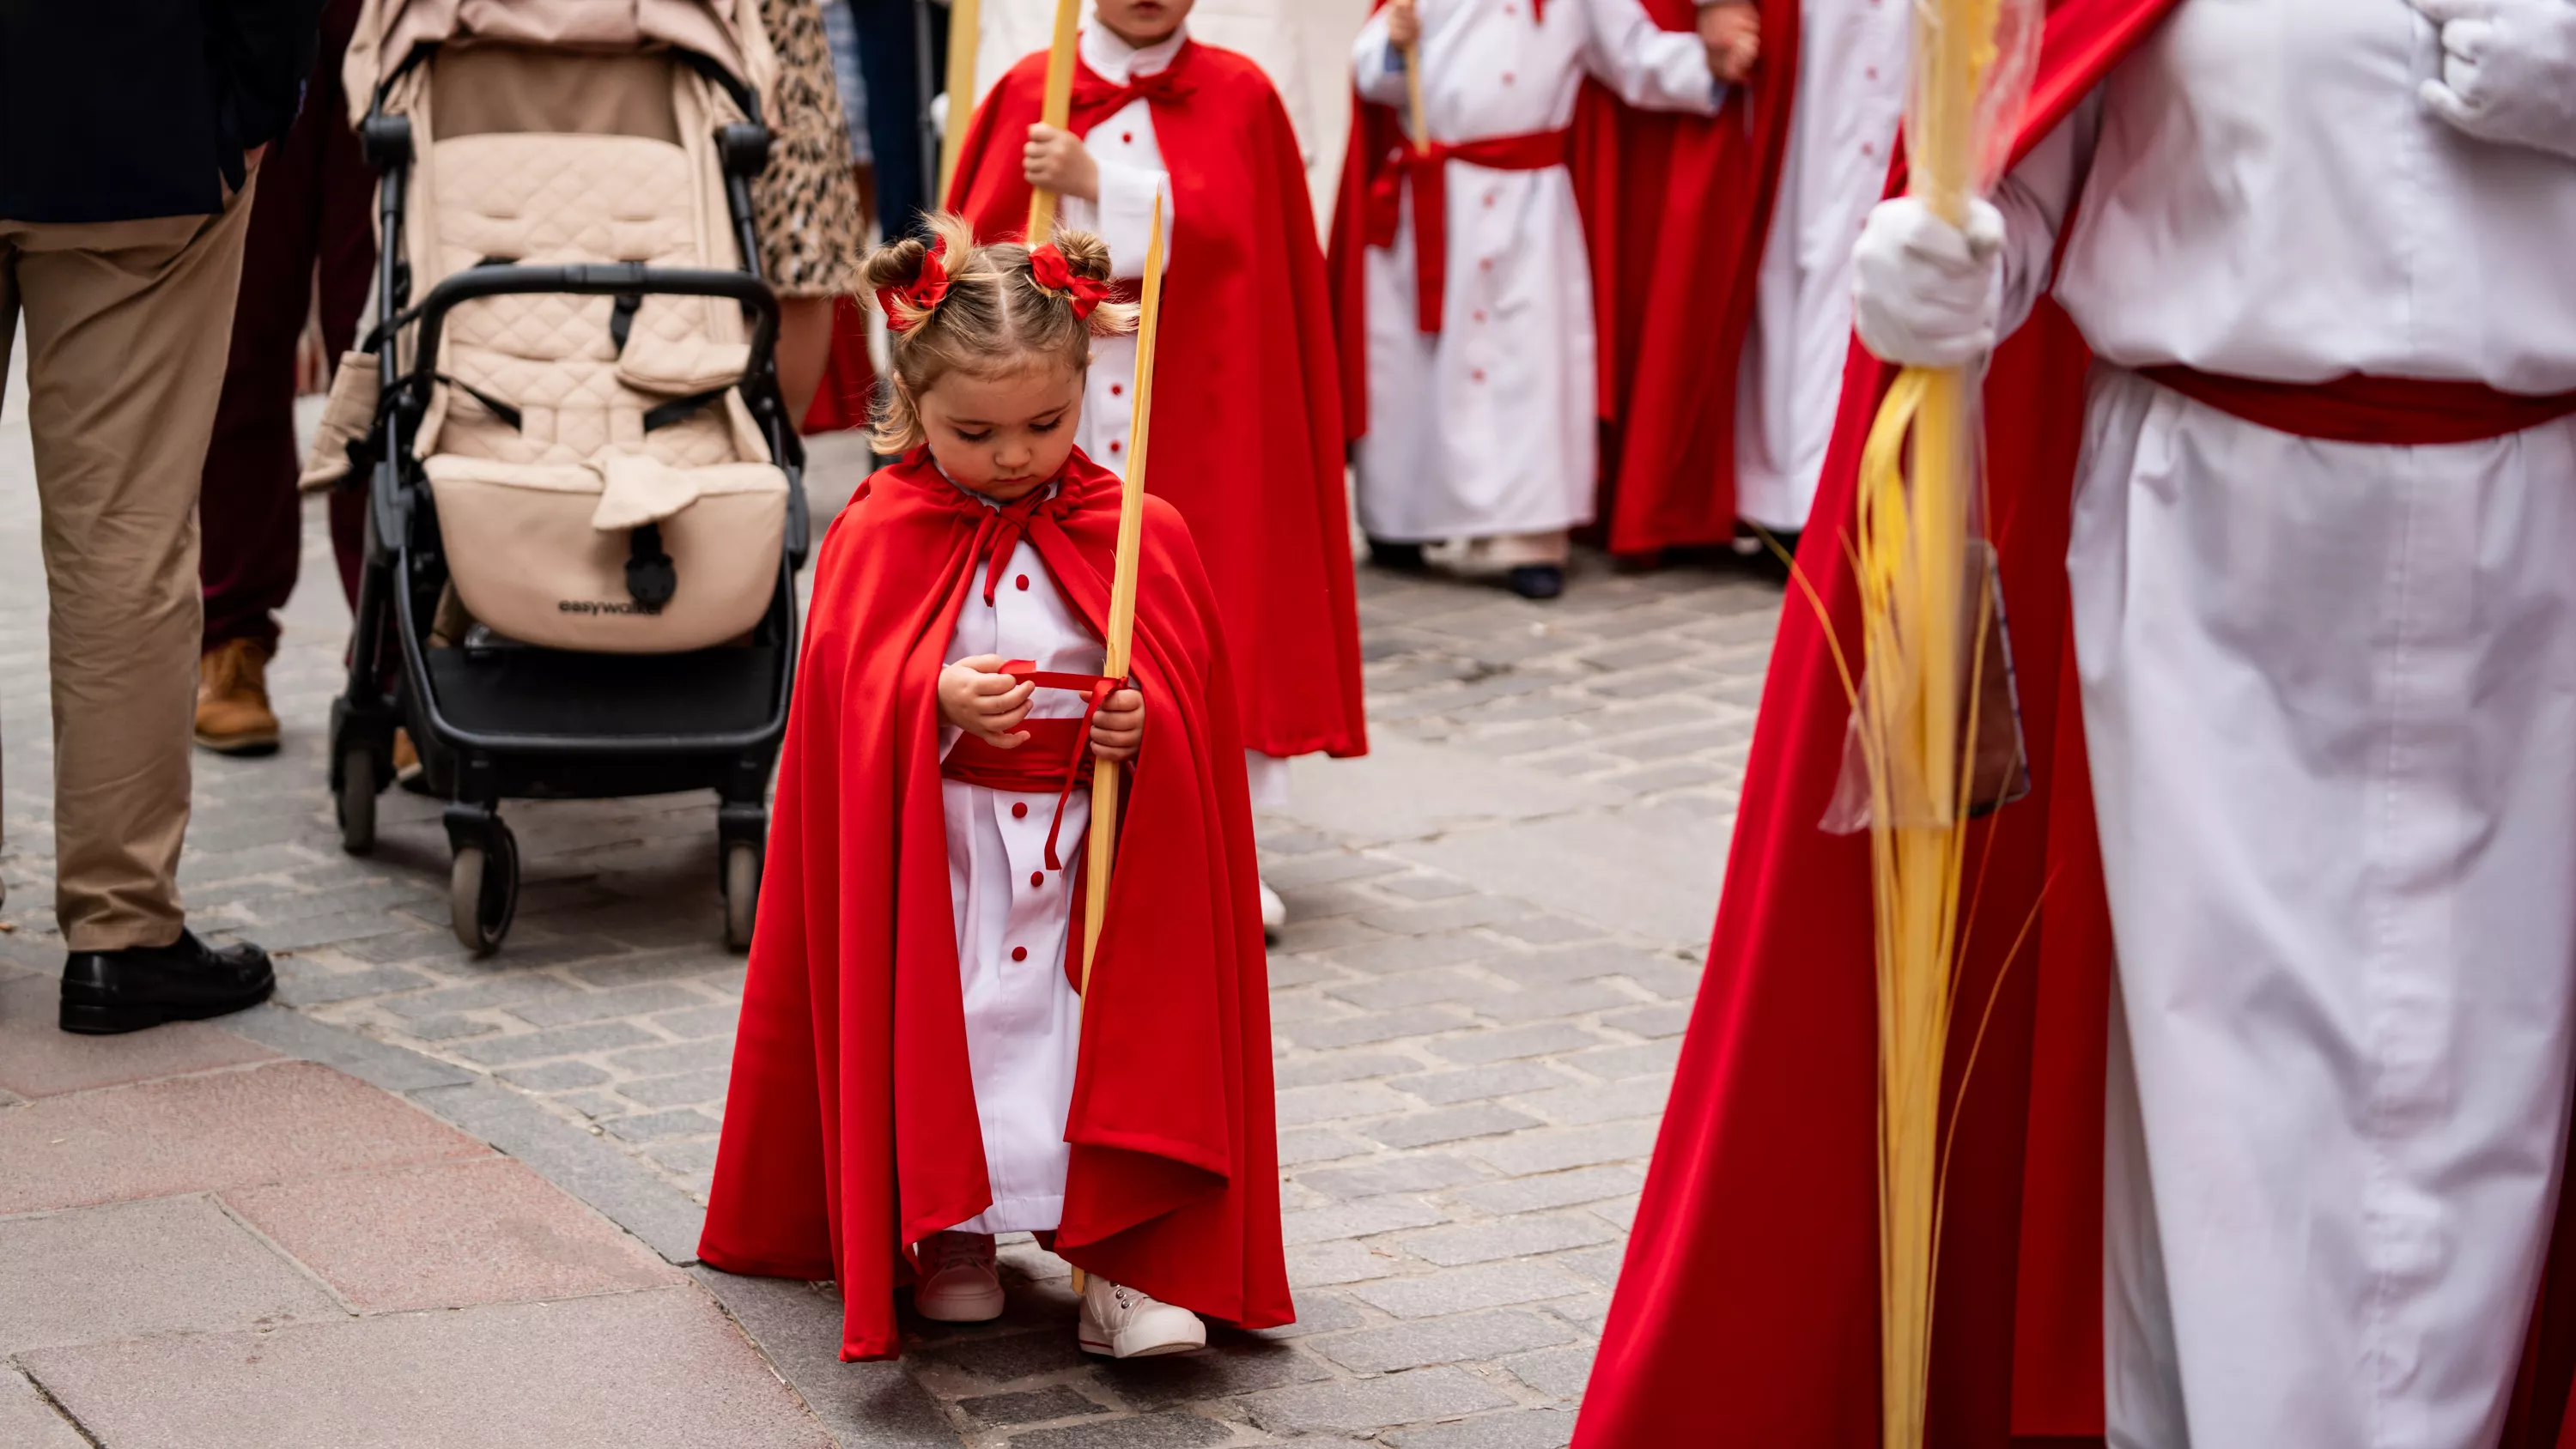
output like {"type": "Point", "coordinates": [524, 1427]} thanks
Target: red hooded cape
{"type": "Point", "coordinates": [1675, 209]}
{"type": "Point", "coordinates": [1747, 1312]}
{"type": "Point", "coordinates": [1247, 426]}
{"type": "Point", "coordinates": [850, 1128]}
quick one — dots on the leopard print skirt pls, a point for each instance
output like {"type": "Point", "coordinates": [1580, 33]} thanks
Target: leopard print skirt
{"type": "Point", "coordinates": [807, 201]}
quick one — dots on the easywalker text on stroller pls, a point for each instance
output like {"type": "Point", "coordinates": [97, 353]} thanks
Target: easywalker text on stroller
{"type": "Point", "coordinates": [585, 510]}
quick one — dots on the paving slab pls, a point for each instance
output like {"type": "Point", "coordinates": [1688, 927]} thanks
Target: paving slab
{"type": "Point", "coordinates": [27, 1421]}
{"type": "Point", "coordinates": [40, 1059]}
{"type": "Point", "coordinates": [240, 1128]}
{"type": "Point", "coordinates": [660, 1369]}
{"type": "Point", "coordinates": [138, 1268]}
{"type": "Point", "coordinates": [447, 1235]}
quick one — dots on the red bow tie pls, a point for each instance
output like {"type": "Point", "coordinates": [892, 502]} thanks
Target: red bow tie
{"type": "Point", "coordinates": [1096, 99]}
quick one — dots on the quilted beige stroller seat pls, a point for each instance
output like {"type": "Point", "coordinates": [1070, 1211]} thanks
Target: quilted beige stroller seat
{"type": "Point", "coordinates": [584, 507]}
{"type": "Point", "coordinates": [599, 478]}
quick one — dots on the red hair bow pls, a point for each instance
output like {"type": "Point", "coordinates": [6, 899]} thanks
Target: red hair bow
{"type": "Point", "coordinates": [925, 293]}
{"type": "Point", "coordinates": [1049, 269]}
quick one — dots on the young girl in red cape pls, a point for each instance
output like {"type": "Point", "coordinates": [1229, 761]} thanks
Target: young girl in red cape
{"type": "Point", "coordinates": [915, 1070]}
{"type": "Point", "coordinates": [1248, 432]}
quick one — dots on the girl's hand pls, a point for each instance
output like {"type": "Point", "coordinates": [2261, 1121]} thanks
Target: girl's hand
{"type": "Point", "coordinates": [1732, 31]}
{"type": "Point", "coordinates": [1057, 161]}
{"type": "Point", "coordinates": [1119, 727]}
{"type": "Point", "coordinates": [984, 703]}
{"type": "Point", "coordinates": [1403, 24]}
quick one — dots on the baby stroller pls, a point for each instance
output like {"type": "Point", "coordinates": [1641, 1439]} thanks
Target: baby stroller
{"type": "Point", "coordinates": [585, 511]}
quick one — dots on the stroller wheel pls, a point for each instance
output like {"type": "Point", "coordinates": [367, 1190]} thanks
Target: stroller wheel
{"type": "Point", "coordinates": [357, 800]}
{"type": "Point", "coordinates": [483, 891]}
{"type": "Point", "coordinates": [741, 892]}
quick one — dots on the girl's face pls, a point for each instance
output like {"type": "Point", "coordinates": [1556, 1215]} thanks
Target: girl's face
{"type": "Point", "coordinates": [1006, 434]}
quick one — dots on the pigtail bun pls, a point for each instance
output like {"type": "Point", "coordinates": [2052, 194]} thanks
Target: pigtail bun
{"type": "Point", "coordinates": [1087, 257]}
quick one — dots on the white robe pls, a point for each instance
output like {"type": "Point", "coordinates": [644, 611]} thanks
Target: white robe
{"type": "Point", "coordinates": [1023, 1019]}
{"type": "Point", "coordinates": [1852, 57]}
{"type": "Point", "coordinates": [2330, 699]}
{"type": "Point", "coordinates": [1488, 428]}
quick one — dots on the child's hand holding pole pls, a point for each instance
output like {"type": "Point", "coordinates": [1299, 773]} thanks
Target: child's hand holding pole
{"type": "Point", "coordinates": [977, 698]}
{"type": "Point", "coordinates": [1119, 728]}
{"type": "Point", "coordinates": [1732, 31]}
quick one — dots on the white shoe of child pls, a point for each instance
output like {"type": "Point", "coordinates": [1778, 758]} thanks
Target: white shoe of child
{"type": "Point", "coordinates": [959, 1282]}
{"type": "Point", "coordinates": [1123, 1323]}
{"type": "Point", "coordinates": [1274, 912]}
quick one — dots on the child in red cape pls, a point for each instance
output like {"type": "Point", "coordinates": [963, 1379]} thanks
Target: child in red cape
{"type": "Point", "coordinates": [1248, 435]}
{"type": "Point", "coordinates": [915, 1071]}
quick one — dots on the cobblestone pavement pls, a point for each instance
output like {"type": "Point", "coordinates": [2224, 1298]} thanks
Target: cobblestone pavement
{"type": "Point", "coordinates": [1496, 926]}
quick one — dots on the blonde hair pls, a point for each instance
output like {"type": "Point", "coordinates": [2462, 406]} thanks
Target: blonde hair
{"type": "Point", "coordinates": [994, 319]}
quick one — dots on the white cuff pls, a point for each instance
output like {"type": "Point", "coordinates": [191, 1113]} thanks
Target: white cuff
{"type": "Point", "coordinates": [1127, 214]}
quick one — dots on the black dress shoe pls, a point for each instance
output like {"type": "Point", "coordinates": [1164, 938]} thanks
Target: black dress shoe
{"type": "Point", "coordinates": [106, 992]}
{"type": "Point", "coordinates": [1536, 581]}
{"type": "Point", "coordinates": [1404, 558]}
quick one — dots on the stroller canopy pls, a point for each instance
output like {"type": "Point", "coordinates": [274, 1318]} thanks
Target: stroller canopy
{"type": "Point", "coordinates": [726, 32]}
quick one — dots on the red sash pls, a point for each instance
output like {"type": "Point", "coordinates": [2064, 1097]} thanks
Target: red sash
{"type": "Point", "coordinates": [1427, 172]}
{"type": "Point", "coordinates": [2388, 412]}
{"type": "Point", "coordinates": [1056, 756]}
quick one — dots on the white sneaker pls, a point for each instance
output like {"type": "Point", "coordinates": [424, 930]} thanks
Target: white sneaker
{"type": "Point", "coordinates": [1123, 1323]}
{"type": "Point", "coordinates": [1274, 912]}
{"type": "Point", "coordinates": [959, 1283]}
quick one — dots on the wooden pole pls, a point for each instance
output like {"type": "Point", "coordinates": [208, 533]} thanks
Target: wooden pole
{"type": "Point", "coordinates": [965, 31]}
{"type": "Point", "coordinates": [1056, 110]}
{"type": "Point", "coordinates": [1420, 120]}
{"type": "Point", "coordinates": [1122, 594]}
{"type": "Point", "coordinates": [1103, 842]}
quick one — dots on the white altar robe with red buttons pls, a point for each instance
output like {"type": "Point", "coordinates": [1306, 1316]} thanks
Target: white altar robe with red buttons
{"type": "Point", "coordinates": [2329, 697]}
{"type": "Point", "coordinates": [1014, 916]}
{"type": "Point", "coordinates": [1487, 428]}
{"type": "Point", "coordinates": [1852, 59]}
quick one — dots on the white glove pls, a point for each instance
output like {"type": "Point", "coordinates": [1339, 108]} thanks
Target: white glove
{"type": "Point", "coordinates": [2508, 71]}
{"type": "Point", "coordinates": [1925, 293]}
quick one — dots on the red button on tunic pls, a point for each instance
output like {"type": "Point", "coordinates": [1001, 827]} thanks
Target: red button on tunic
{"type": "Point", "coordinates": [1127, 137]}
{"type": "Point", "coordinates": [1022, 581]}
{"type": "Point", "coordinates": [1019, 953]}
{"type": "Point", "coordinates": [1019, 810]}
{"type": "Point", "coordinates": [1117, 389]}
{"type": "Point", "coordinates": [1037, 877]}
{"type": "Point", "coordinates": [1115, 446]}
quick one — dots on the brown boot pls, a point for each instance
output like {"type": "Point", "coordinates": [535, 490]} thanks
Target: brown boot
{"type": "Point", "coordinates": [233, 717]}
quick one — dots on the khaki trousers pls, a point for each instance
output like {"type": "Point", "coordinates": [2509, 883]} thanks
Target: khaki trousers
{"type": "Point", "coordinates": [127, 325]}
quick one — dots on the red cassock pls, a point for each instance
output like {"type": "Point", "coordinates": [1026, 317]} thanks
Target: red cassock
{"type": "Point", "coordinates": [1248, 438]}
{"type": "Point", "coordinates": [850, 1127]}
{"type": "Point", "coordinates": [1747, 1311]}
{"type": "Point", "coordinates": [1677, 209]}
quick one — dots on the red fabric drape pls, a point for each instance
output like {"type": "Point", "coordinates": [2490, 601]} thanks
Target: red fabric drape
{"type": "Point", "coordinates": [850, 1128]}
{"type": "Point", "coordinates": [1248, 429]}
{"type": "Point", "coordinates": [849, 378]}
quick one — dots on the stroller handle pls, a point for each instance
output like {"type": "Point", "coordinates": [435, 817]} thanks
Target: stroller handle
{"type": "Point", "coordinates": [595, 279]}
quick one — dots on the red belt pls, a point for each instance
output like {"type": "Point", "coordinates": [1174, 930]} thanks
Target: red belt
{"type": "Point", "coordinates": [2390, 412]}
{"type": "Point", "coordinates": [1055, 756]}
{"type": "Point", "coordinates": [1426, 170]}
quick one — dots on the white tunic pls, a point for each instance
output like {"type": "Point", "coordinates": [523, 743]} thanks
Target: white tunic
{"type": "Point", "coordinates": [2330, 698]}
{"type": "Point", "coordinates": [1852, 57]}
{"type": "Point", "coordinates": [1023, 1019]}
{"type": "Point", "coordinates": [1488, 428]}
